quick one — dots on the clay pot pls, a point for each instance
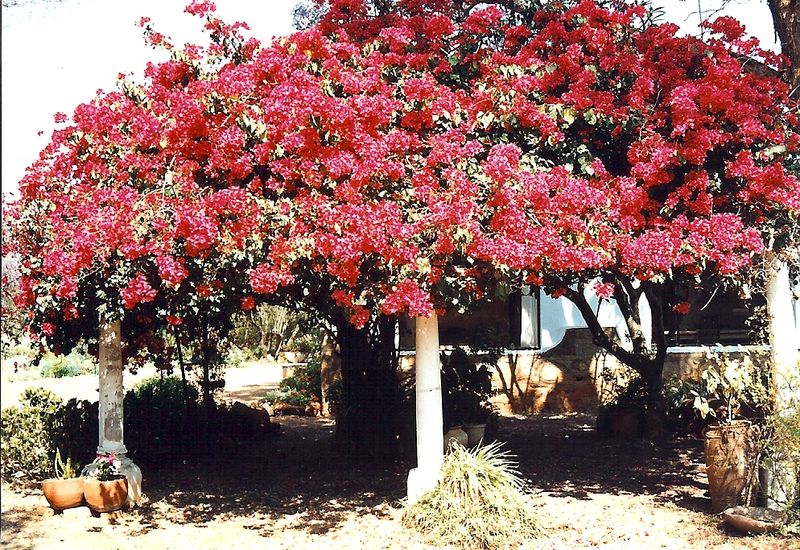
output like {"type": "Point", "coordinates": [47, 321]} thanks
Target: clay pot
{"type": "Point", "coordinates": [728, 464]}
{"type": "Point", "coordinates": [475, 433]}
{"type": "Point", "coordinates": [63, 493]}
{"type": "Point", "coordinates": [105, 496]}
{"type": "Point", "coordinates": [455, 435]}
{"type": "Point", "coordinates": [752, 519]}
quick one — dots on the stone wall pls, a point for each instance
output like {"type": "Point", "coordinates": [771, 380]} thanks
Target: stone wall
{"type": "Point", "coordinates": [570, 376]}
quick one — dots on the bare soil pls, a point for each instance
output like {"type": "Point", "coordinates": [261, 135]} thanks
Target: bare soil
{"type": "Point", "coordinates": [294, 491]}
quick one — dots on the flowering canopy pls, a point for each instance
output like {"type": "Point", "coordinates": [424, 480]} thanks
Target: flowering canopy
{"type": "Point", "coordinates": [406, 162]}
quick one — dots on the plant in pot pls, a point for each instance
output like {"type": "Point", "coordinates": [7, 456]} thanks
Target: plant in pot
{"type": "Point", "coordinates": [65, 490]}
{"type": "Point", "coordinates": [105, 487]}
{"type": "Point", "coordinates": [477, 416]}
{"type": "Point", "coordinates": [623, 415]}
{"type": "Point", "coordinates": [466, 391]}
{"type": "Point", "coordinates": [733, 393]}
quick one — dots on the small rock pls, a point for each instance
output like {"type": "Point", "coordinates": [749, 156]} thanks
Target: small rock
{"type": "Point", "coordinates": [47, 512]}
{"type": "Point", "coordinates": [79, 512]}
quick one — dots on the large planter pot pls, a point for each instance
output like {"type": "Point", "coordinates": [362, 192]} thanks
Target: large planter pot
{"type": "Point", "coordinates": [625, 423]}
{"type": "Point", "coordinates": [728, 464]}
{"type": "Point", "coordinates": [63, 493]}
{"type": "Point", "coordinates": [475, 433]}
{"type": "Point", "coordinates": [105, 496]}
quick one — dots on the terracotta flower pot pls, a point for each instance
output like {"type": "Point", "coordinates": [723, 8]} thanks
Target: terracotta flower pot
{"type": "Point", "coordinates": [63, 493]}
{"type": "Point", "coordinates": [105, 496]}
{"type": "Point", "coordinates": [728, 454]}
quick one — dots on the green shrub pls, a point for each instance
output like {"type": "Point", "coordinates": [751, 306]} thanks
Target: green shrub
{"type": "Point", "coordinates": [156, 415]}
{"type": "Point", "coordinates": [236, 357]}
{"type": "Point", "coordinates": [290, 397]}
{"type": "Point", "coordinates": [480, 502]}
{"type": "Point", "coordinates": [163, 392]}
{"type": "Point", "coordinates": [304, 385]}
{"type": "Point", "coordinates": [28, 436]}
{"type": "Point", "coordinates": [76, 433]}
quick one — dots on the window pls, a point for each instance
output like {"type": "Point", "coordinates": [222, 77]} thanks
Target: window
{"type": "Point", "coordinates": [717, 316]}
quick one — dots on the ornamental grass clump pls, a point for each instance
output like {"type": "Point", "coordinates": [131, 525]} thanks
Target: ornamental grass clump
{"type": "Point", "coordinates": [480, 502]}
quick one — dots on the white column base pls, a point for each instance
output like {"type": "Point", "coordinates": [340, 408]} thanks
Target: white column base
{"type": "Point", "coordinates": [420, 482]}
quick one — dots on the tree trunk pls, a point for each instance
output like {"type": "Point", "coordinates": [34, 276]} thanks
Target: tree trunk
{"type": "Point", "coordinates": [786, 18]}
{"type": "Point", "coordinates": [112, 392]}
{"type": "Point", "coordinates": [647, 358]}
{"type": "Point", "coordinates": [430, 429]}
{"type": "Point", "coordinates": [369, 421]}
{"type": "Point", "coordinates": [329, 370]}
{"type": "Point", "coordinates": [110, 407]}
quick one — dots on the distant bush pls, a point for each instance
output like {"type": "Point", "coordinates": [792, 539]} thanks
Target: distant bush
{"type": "Point", "coordinates": [305, 380]}
{"type": "Point", "coordinates": [60, 366]}
{"type": "Point", "coordinates": [162, 392]}
{"type": "Point", "coordinates": [265, 330]}
{"type": "Point", "coordinates": [157, 416]}
{"type": "Point", "coordinates": [304, 386]}
{"type": "Point", "coordinates": [291, 397]}
{"type": "Point", "coordinates": [236, 357]}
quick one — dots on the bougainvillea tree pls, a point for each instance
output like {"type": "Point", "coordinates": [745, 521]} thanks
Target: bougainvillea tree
{"type": "Point", "coordinates": [408, 158]}
{"type": "Point", "coordinates": [136, 211]}
{"type": "Point", "coordinates": [566, 148]}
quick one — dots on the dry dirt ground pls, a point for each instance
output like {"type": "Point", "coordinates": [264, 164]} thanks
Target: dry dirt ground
{"type": "Point", "coordinates": [293, 491]}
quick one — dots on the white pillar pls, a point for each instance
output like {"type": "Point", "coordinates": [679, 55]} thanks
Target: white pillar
{"type": "Point", "coordinates": [784, 372]}
{"type": "Point", "coordinates": [782, 334]}
{"type": "Point", "coordinates": [430, 435]}
{"type": "Point", "coordinates": [112, 393]}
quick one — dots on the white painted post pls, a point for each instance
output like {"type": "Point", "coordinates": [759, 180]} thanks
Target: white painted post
{"type": "Point", "coordinates": [430, 435]}
{"type": "Point", "coordinates": [112, 393]}
{"type": "Point", "coordinates": [784, 359]}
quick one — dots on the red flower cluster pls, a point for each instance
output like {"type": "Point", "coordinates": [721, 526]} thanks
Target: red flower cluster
{"type": "Point", "coordinates": [137, 291]}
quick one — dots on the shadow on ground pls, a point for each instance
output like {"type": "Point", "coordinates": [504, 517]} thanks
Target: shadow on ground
{"type": "Point", "coordinates": [294, 474]}
{"type": "Point", "coordinates": [564, 456]}
{"type": "Point", "coordinates": [297, 475]}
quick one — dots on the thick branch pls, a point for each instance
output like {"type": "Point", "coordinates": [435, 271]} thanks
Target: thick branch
{"type": "Point", "coordinates": [786, 18]}
{"type": "Point", "coordinates": [627, 299]}
{"type": "Point", "coordinates": [600, 337]}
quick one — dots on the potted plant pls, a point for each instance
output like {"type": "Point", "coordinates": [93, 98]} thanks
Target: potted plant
{"type": "Point", "coordinates": [467, 391]}
{"type": "Point", "coordinates": [730, 391]}
{"type": "Point", "coordinates": [105, 487]}
{"type": "Point", "coordinates": [623, 415]}
{"type": "Point", "coordinates": [477, 414]}
{"type": "Point", "coordinates": [65, 490]}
